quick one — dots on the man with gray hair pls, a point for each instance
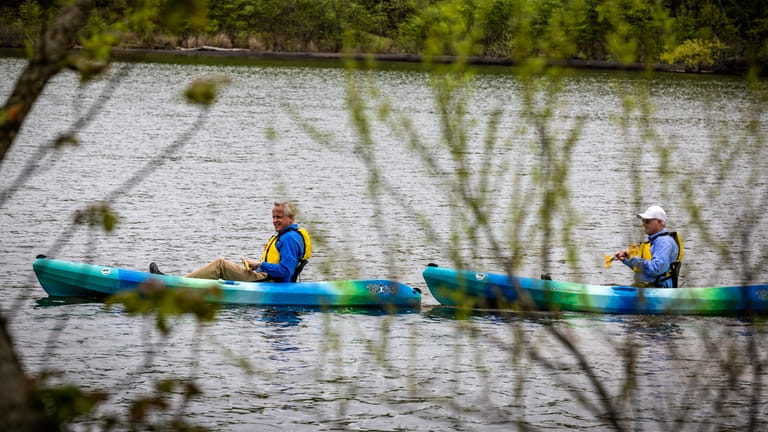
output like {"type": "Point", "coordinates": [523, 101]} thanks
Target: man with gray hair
{"type": "Point", "coordinates": [283, 258]}
{"type": "Point", "coordinates": [658, 260]}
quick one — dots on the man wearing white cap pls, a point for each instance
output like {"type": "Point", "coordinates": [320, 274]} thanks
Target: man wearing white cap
{"type": "Point", "coordinates": [658, 258]}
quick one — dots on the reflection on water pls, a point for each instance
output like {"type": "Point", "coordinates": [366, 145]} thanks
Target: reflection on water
{"type": "Point", "coordinates": [652, 328]}
{"type": "Point", "coordinates": [45, 302]}
{"type": "Point", "coordinates": [276, 320]}
{"type": "Point", "coordinates": [280, 317]}
{"type": "Point", "coordinates": [492, 315]}
{"type": "Point", "coordinates": [432, 368]}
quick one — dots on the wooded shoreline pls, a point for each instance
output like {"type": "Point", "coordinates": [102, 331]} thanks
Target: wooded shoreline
{"type": "Point", "coordinates": [734, 66]}
{"type": "Point", "coordinates": [209, 52]}
{"type": "Point", "coordinates": [696, 36]}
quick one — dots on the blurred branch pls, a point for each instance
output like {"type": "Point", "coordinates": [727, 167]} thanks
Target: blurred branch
{"type": "Point", "coordinates": [48, 59]}
{"type": "Point", "coordinates": [68, 137]}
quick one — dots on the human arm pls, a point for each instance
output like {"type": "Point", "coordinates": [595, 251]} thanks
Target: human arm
{"type": "Point", "coordinates": [663, 252]}
{"type": "Point", "coordinates": [626, 253]}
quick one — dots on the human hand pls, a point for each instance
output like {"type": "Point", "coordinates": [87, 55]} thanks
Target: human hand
{"type": "Point", "coordinates": [250, 264]}
{"type": "Point", "coordinates": [618, 256]}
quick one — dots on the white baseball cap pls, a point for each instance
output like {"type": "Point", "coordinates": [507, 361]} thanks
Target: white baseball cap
{"type": "Point", "coordinates": [654, 212]}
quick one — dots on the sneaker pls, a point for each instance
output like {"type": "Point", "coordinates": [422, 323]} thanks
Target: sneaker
{"type": "Point", "coordinates": [154, 269]}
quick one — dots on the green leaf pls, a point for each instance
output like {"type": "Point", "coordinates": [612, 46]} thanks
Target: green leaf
{"type": "Point", "coordinates": [203, 90]}
{"type": "Point", "coordinates": [66, 139]}
{"type": "Point", "coordinates": [153, 298]}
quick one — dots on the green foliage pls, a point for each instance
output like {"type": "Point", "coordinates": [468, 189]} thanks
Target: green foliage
{"type": "Point", "coordinates": [99, 214]}
{"type": "Point", "coordinates": [230, 17]}
{"type": "Point", "coordinates": [302, 24]}
{"type": "Point", "coordinates": [66, 139]}
{"type": "Point", "coordinates": [363, 30]}
{"type": "Point", "coordinates": [556, 22]}
{"type": "Point", "coordinates": [547, 29]}
{"type": "Point", "coordinates": [411, 34]}
{"type": "Point", "coordinates": [455, 28]}
{"type": "Point", "coordinates": [696, 54]}
{"type": "Point", "coordinates": [451, 29]}
{"type": "Point", "coordinates": [68, 404]}
{"type": "Point", "coordinates": [463, 28]}
{"type": "Point", "coordinates": [529, 31]}
{"type": "Point", "coordinates": [625, 31]}
{"type": "Point", "coordinates": [496, 21]}
{"type": "Point", "coordinates": [97, 38]}
{"type": "Point", "coordinates": [88, 70]}
{"type": "Point", "coordinates": [174, 15]}
{"type": "Point", "coordinates": [637, 30]}
{"type": "Point", "coordinates": [64, 403]}
{"type": "Point", "coordinates": [30, 21]}
{"type": "Point", "coordinates": [142, 411]}
{"type": "Point", "coordinates": [203, 91]}
{"type": "Point", "coordinates": [153, 298]}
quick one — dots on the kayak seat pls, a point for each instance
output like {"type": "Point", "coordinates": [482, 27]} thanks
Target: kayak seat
{"type": "Point", "coordinates": [299, 268]}
{"type": "Point", "coordinates": [674, 268]}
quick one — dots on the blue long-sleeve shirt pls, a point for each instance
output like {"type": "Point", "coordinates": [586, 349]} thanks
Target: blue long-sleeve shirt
{"type": "Point", "coordinates": [291, 248]}
{"type": "Point", "coordinates": [664, 251]}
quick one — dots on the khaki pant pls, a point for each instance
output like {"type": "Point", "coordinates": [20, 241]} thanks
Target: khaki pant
{"type": "Point", "coordinates": [221, 268]}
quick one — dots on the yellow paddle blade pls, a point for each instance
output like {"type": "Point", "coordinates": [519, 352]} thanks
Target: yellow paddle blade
{"type": "Point", "coordinates": [631, 252]}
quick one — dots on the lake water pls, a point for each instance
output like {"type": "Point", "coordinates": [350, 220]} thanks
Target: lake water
{"type": "Point", "coordinates": [424, 369]}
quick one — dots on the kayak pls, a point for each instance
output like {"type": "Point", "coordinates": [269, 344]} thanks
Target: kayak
{"type": "Point", "coordinates": [73, 279]}
{"type": "Point", "coordinates": [470, 289]}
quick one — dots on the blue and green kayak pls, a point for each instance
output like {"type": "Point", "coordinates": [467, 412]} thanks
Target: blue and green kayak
{"type": "Point", "coordinates": [73, 279]}
{"type": "Point", "coordinates": [471, 289]}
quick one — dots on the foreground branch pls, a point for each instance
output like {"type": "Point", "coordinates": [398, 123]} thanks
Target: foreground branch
{"type": "Point", "coordinates": [49, 58]}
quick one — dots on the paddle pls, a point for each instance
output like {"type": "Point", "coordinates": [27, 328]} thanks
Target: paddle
{"type": "Point", "coordinates": [246, 264]}
{"type": "Point", "coordinates": [631, 251]}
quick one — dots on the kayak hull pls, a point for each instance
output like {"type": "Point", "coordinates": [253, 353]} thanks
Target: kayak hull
{"type": "Point", "coordinates": [73, 279]}
{"type": "Point", "coordinates": [470, 289]}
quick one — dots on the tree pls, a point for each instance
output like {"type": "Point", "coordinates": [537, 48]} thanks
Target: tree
{"type": "Point", "coordinates": [25, 403]}
{"type": "Point", "coordinates": [231, 17]}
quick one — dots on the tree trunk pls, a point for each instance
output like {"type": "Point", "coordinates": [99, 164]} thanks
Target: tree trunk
{"type": "Point", "coordinates": [49, 58]}
{"type": "Point", "coordinates": [18, 413]}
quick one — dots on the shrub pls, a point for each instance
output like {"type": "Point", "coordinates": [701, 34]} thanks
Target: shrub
{"type": "Point", "coordinates": [696, 54]}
